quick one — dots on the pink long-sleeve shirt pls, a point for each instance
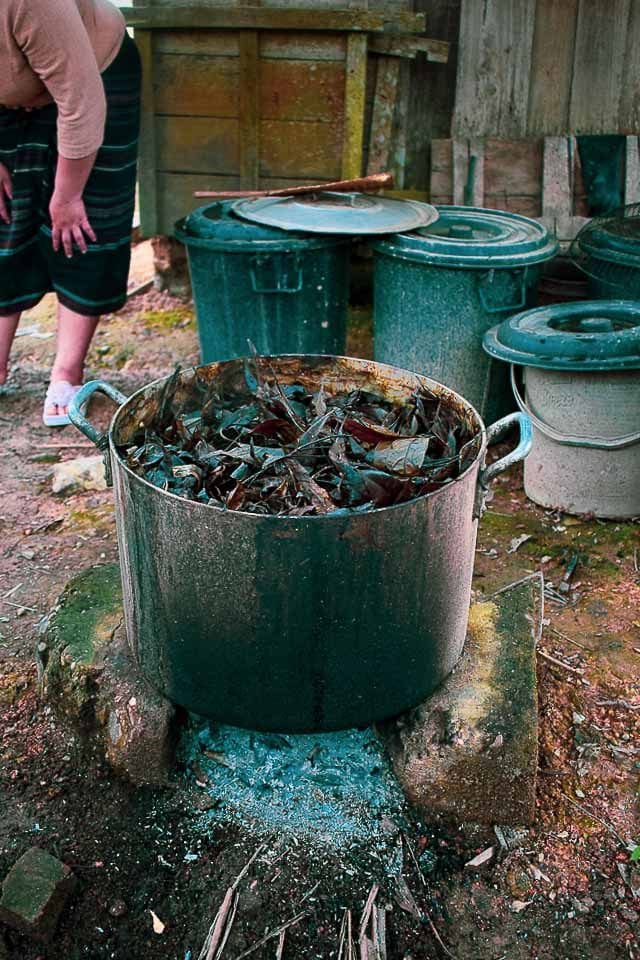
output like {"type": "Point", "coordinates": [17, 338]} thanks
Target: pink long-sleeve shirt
{"type": "Point", "coordinates": [57, 49]}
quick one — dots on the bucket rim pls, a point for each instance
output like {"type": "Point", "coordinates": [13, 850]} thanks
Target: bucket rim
{"type": "Point", "coordinates": [530, 242]}
{"type": "Point", "coordinates": [336, 516]}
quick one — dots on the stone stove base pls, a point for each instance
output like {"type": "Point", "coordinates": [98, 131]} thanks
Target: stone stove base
{"type": "Point", "coordinates": [468, 754]}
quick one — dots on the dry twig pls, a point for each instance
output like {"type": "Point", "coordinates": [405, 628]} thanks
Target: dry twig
{"type": "Point", "coordinates": [366, 913]}
{"type": "Point", "coordinates": [274, 933]}
{"type": "Point", "coordinates": [559, 663]}
{"type": "Point", "coordinates": [219, 930]}
{"type": "Point", "coordinates": [345, 938]}
{"type": "Point", "coordinates": [618, 703]}
{"type": "Point", "coordinates": [563, 636]}
{"type": "Point", "coordinates": [597, 819]}
{"type": "Point", "coordinates": [247, 865]}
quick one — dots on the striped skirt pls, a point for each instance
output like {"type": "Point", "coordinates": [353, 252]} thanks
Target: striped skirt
{"type": "Point", "coordinates": [97, 282]}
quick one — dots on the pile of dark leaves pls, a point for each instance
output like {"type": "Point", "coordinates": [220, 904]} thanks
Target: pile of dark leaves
{"type": "Point", "coordinates": [280, 449]}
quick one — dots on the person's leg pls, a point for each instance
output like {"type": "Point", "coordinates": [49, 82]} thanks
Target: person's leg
{"type": "Point", "coordinates": [8, 327]}
{"type": "Point", "coordinates": [75, 332]}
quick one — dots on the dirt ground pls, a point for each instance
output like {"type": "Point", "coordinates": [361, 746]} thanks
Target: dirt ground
{"type": "Point", "coordinates": [565, 893]}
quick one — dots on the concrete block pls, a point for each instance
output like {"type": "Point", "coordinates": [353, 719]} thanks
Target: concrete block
{"type": "Point", "coordinates": [87, 672]}
{"type": "Point", "coordinates": [470, 752]}
{"type": "Point", "coordinates": [35, 892]}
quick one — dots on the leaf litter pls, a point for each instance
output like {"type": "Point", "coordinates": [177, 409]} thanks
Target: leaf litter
{"type": "Point", "coordinates": [282, 449]}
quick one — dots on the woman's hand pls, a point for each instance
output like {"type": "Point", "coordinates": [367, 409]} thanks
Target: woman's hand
{"type": "Point", "coordinates": [6, 193]}
{"type": "Point", "coordinates": [69, 224]}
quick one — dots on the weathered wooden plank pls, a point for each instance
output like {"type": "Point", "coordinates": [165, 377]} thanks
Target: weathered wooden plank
{"type": "Point", "coordinates": [598, 65]}
{"type": "Point", "coordinates": [262, 18]}
{"type": "Point", "coordinates": [394, 45]}
{"type": "Point", "coordinates": [196, 85]}
{"type": "Point", "coordinates": [175, 194]}
{"type": "Point", "coordinates": [321, 4]}
{"type": "Point", "coordinates": [492, 93]}
{"type": "Point", "coordinates": [525, 206]}
{"type": "Point", "coordinates": [460, 159]}
{"type": "Point", "coordinates": [210, 87]}
{"type": "Point", "coordinates": [513, 167]}
{"type": "Point", "coordinates": [632, 171]}
{"type": "Point", "coordinates": [441, 182]}
{"type": "Point", "coordinates": [354, 99]}
{"type": "Point", "coordinates": [204, 43]}
{"type": "Point", "coordinates": [147, 169]}
{"type": "Point", "coordinates": [301, 150]}
{"type": "Point", "coordinates": [302, 46]}
{"type": "Point", "coordinates": [432, 91]}
{"type": "Point", "coordinates": [249, 109]}
{"type": "Point", "coordinates": [399, 132]}
{"type": "Point", "coordinates": [301, 90]}
{"type": "Point", "coordinates": [475, 185]}
{"type": "Point", "coordinates": [384, 104]}
{"type": "Point", "coordinates": [508, 174]}
{"type": "Point", "coordinates": [198, 145]}
{"type": "Point", "coordinates": [552, 66]}
{"type": "Point", "coordinates": [557, 194]}
{"type": "Point", "coordinates": [629, 108]}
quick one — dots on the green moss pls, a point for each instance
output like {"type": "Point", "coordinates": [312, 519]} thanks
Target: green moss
{"type": "Point", "coordinates": [92, 518]}
{"type": "Point", "coordinates": [123, 355]}
{"type": "Point", "coordinates": [87, 613]}
{"type": "Point", "coordinates": [168, 319]}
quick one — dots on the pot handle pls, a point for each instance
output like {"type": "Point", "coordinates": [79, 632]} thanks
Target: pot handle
{"type": "Point", "coordinates": [494, 433]}
{"type": "Point", "coordinates": [77, 416]}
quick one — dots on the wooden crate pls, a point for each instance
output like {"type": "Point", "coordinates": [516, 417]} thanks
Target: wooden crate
{"type": "Point", "coordinates": [239, 96]}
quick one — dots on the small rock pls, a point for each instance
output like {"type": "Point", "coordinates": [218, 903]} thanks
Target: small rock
{"type": "Point", "coordinates": [580, 906]}
{"type": "Point", "coordinates": [35, 892]}
{"type": "Point", "coordinates": [631, 916]}
{"type": "Point", "coordinates": [118, 908]}
{"type": "Point", "coordinates": [83, 473]}
{"type": "Point", "coordinates": [427, 861]}
{"type": "Point", "coordinates": [28, 554]}
{"type": "Point", "coordinates": [481, 860]}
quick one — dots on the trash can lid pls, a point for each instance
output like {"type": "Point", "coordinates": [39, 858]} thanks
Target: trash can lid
{"type": "Point", "coordinates": [613, 239]}
{"type": "Point", "coordinates": [582, 335]}
{"type": "Point", "coordinates": [216, 227]}
{"type": "Point", "coordinates": [472, 237]}
{"type": "Point", "coordinates": [353, 214]}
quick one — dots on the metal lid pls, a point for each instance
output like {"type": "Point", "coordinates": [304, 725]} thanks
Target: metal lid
{"type": "Point", "coordinates": [615, 239]}
{"type": "Point", "coordinates": [353, 214]}
{"type": "Point", "coordinates": [216, 227]}
{"type": "Point", "coordinates": [583, 335]}
{"type": "Point", "coordinates": [471, 237]}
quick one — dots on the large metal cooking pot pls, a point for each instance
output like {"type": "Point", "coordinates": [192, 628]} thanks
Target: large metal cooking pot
{"type": "Point", "coordinates": [295, 623]}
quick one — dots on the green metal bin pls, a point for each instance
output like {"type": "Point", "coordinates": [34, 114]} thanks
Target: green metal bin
{"type": "Point", "coordinates": [437, 290]}
{"type": "Point", "coordinates": [284, 292]}
{"type": "Point", "coordinates": [608, 251]}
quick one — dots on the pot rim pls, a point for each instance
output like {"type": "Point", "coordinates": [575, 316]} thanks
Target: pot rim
{"type": "Point", "coordinates": [476, 463]}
